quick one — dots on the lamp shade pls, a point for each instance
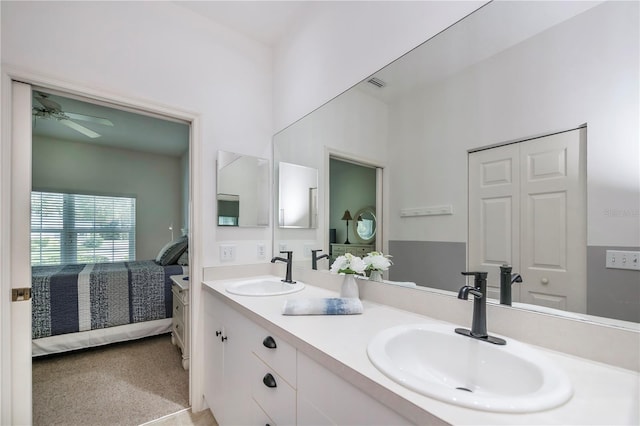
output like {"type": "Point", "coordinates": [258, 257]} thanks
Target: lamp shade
{"type": "Point", "coordinates": [347, 215]}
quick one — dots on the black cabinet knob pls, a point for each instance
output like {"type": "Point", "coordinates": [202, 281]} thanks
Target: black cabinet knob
{"type": "Point", "coordinates": [223, 338]}
{"type": "Point", "coordinates": [218, 333]}
{"type": "Point", "coordinates": [268, 342]}
{"type": "Point", "coordinates": [269, 381]}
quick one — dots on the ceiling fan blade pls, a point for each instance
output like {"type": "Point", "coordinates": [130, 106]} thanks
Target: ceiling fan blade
{"type": "Point", "coordinates": [48, 103]}
{"type": "Point", "coordinates": [79, 128]}
{"type": "Point", "coordinates": [89, 118]}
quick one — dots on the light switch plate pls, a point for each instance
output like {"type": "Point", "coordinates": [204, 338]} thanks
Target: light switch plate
{"type": "Point", "coordinates": [620, 259]}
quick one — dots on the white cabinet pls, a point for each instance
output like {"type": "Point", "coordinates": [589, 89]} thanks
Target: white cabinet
{"type": "Point", "coordinates": [226, 357]}
{"type": "Point", "coordinates": [180, 330]}
{"type": "Point", "coordinates": [253, 377]}
{"type": "Point", "coordinates": [326, 399]}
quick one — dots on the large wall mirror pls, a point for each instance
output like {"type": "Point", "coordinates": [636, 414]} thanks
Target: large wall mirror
{"type": "Point", "coordinates": [242, 190]}
{"type": "Point", "coordinates": [509, 72]}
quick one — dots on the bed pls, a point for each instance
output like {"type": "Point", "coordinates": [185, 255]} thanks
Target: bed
{"type": "Point", "coordinates": [83, 305]}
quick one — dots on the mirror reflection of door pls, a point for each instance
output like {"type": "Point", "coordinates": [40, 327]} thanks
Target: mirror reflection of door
{"type": "Point", "coordinates": [353, 189]}
{"type": "Point", "coordinates": [520, 196]}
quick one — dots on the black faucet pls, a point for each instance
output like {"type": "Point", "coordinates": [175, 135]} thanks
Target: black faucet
{"type": "Point", "coordinates": [315, 258]}
{"type": "Point", "coordinates": [506, 280]}
{"type": "Point", "coordinates": [288, 260]}
{"type": "Point", "coordinates": [479, 322]}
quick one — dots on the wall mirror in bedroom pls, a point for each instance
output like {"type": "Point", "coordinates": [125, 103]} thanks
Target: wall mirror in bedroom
{"type": "Point", "coordinates": [508, 72]}
{"type": "Point", "coordinates": [109, 254]}
{"type": "Point", "coordinates": [242, 190]}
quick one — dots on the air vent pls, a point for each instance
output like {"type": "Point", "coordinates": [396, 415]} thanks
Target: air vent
{"type": "Point", "coordinates": [376, 82]}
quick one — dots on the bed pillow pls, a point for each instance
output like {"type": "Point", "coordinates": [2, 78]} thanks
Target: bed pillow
{"type": "Point", "coordinates": [172, 251]}
{"type": "Point", "coordinates": [183, 260]}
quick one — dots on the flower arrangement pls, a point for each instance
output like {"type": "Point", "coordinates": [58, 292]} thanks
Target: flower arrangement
{"type": "Point", "coordinates": [377, 261]}
{"type": "Point", "coordinates": [348, 264]}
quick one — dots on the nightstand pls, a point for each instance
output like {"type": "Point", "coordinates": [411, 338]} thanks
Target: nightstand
{"type": "Point", "coordinates": [180, 330]}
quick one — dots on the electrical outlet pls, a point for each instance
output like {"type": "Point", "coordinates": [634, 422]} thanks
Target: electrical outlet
{"type": "Point", "coordinates": [227, 253]}
{"type": "Point", "coordinates": [261, 251]}
{"type": "Point", "coordinates": [619, 259]}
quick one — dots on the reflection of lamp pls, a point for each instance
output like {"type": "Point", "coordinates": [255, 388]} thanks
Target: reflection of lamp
{"type": "Point", "coordinates": [347, 216]}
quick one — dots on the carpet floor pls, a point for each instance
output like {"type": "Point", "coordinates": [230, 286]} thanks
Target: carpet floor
{"type": "Point", "coordinates": [121, 384]}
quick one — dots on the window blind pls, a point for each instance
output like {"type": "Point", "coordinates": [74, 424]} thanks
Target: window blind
{"type": "Point", "coordinates": [77, 228]}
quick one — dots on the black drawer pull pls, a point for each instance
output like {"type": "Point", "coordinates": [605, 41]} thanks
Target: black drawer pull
{"type": "Point", "coordinates": [269, 381]}
{"type": "Point", "coordinates": [223, 338]}
{"type": "Point", "coordinates": [218, 333]}
{"type": "Point", "coordinates": [268, 342]}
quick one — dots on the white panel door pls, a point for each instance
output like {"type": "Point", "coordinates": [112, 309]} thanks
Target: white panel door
{"type": "Point", "coordinates": [553, 234]}
{"type": "Point", "coordinates": [494, 218]}
{"type": "Point", "coordinates": [522, 203]}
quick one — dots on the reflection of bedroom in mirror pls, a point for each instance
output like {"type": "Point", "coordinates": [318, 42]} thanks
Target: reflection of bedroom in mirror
{"type": "Point", "coordinates": [109, 260]}
{"type": "Point", "coordinates": [352, 201]}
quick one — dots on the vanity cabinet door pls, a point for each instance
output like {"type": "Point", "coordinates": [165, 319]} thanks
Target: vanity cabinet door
{"type": "Point", "coordinates": [214, 393]}
{"type": "Point", "coordinates": [344, 404]}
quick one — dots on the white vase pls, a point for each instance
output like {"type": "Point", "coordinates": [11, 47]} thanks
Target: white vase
{"type": "Point", "coordinates": [375, 276]}
{"type": "Point", "coordinates": [349, 287]}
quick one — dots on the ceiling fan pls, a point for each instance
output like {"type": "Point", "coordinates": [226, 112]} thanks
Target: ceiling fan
{"type": "Point", "coordinates": [50, 109]}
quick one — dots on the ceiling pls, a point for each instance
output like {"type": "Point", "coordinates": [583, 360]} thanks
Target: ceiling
{"type": "Point", "coordinates": [130, 130]}
{"type": "Point", "coordinates": [266, 22]}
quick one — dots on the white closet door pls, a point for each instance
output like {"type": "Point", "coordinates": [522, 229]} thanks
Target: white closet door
{"type": "Point", "coordinates": [494, 217]}
{"type": "Point", "coordinates": [553, 235]}
{"type": "Point", "coordinates": [526, 208]}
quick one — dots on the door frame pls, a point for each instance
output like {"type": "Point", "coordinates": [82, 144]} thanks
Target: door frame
{"type": "Point", "coordinates": [14, 406]}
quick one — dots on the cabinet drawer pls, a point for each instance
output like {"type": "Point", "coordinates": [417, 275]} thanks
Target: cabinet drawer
{"type": "Point", "coordinates": [279, 402]}
{"type": "Point", "coordinates": [178, 330]}
{"type": "Point", "coordinates": [338, 250]}
{"type": "Point", "coordinates": [178, 309]}
{"type": "Point", "coordinates": [282, 358]}
{"type": "Point", "coordinates": [180, 295]}
{"type": "Point", "coordinates": [258, 416]}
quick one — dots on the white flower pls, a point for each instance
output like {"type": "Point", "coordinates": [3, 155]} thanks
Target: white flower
{"type": "Point", "coordinates": [348, 264]}
{"type": "Point", "coordinates": [377, 261]}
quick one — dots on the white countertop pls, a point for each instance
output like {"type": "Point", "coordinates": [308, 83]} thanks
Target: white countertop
{"type": "Point", "coordinates": [603, 394]}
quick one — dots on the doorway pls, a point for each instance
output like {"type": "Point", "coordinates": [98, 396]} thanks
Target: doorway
{"type": "Point", "coordinates": [355, 208]}
{"type": "Point", "coordinates": [521, 199]}
{"type": "Point", "coordinates": [21, 177]}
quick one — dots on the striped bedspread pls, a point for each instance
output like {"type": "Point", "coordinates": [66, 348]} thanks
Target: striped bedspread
{"type": "Point", "coordinates": [72, 298]}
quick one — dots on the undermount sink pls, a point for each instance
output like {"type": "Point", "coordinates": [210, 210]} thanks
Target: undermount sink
{"type": "Point", "coordinates": [263, 287]}
{"type": "Point", "coordinates": [433, 360]}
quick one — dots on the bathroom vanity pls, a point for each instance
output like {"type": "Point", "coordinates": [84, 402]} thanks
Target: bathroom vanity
{"type": "Point", "coordinates": [315, 369]}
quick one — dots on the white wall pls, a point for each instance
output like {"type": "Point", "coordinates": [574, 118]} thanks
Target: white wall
{"type": "Point", "coordinates": [154, 180]}
{"type": "Point", "coordinates": [331, 51]}
{"type": "Point", "coordinates": [597, 83]}
{"type": "Point", "coordinates": [161, 53]}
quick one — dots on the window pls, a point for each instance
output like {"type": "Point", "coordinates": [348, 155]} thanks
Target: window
{"type": "Point", "coordinates": [74, 228]}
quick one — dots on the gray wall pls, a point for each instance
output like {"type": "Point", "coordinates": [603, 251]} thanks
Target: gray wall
{"type": "Point", "coordinates": [613, 293]}
{"type": "Point", "coordinates": [155, 180]}
{"type": "Point", "coordinates": [435, 264]}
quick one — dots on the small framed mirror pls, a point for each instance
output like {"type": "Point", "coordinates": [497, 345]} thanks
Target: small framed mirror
{"type": "Point", "coordinates": [364, 225]}
{"type": "Point", "coordinates": [242, 190]}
